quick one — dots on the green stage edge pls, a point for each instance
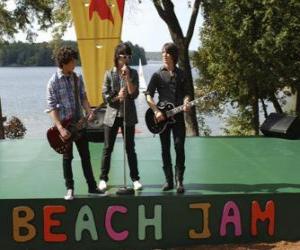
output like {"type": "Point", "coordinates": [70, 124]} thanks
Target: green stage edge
{"type": "Point", "coordinates": [243, 183]}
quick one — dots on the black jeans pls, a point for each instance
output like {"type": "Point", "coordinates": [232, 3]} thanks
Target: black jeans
{"type": "Point", "coordinates": [83, 149]}
{"type": "Point", "coordinates": [178, 129]}
{"type": "Point", "coordinates": [110, 134]}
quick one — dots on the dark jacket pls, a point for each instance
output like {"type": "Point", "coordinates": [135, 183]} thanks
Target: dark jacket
{"type": "Point", "coordinates": [111, 88]}
{"type": "Point", "coordinates": [169, 88]}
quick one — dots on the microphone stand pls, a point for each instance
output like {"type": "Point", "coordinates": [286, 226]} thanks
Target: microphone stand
{"type": "Point", "coordinates": [124, 190]}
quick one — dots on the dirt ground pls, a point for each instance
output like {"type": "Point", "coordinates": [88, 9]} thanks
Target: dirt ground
{"type": "Point", "coordinates": [281, 245]}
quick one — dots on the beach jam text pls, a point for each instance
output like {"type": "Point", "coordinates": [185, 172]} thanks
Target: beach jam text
{"type": "Point", "coordinates": [55, 226]}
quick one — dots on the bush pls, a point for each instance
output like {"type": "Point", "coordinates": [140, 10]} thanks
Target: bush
{"type": "Point", "coordinates": [14, 128]}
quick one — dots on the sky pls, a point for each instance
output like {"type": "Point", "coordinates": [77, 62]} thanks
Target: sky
{"type": "Point", "coordinates": [141, 25]}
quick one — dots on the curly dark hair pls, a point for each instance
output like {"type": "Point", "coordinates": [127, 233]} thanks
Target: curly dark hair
{"type": "Point", "coordinates": [64, 55]}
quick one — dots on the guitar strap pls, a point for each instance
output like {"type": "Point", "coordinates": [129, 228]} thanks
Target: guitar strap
{"type": "Point", "coordinates": [76, 134]}
{"type": "Point", "coordinates": [76, 95]}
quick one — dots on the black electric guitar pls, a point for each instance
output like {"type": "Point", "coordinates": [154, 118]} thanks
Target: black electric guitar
{"type": "Point", "coordinates": [169, 110]}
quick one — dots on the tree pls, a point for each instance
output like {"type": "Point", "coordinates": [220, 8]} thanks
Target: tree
{"type": "Point", "coordinates": [137, 54]}
{"type": "Point", "coordinates": [14, 128]}
{"type": "Point", "coordinates": [250, 50]}
{"type": "Point", "coordinates": [42, 54]}
{"type": "Point", "coordinates": [44, 13]}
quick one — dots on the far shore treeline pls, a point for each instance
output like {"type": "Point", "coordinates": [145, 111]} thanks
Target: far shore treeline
{"type": "Point", "coordinates": [20, 54]}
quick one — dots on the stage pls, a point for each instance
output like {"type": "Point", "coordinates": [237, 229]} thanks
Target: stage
{"type": "Point", "coordinates": [238, 189]}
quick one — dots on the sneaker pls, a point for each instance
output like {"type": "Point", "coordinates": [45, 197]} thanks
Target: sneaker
{"type": "Point", "coordinates": [137, 185]}
{"type": "Point", "coordinates": [102, 185]}
{"type": "Point", "coordinates": [96, 191]}
{"type": "Point", "coordinates": [168, 186]}
{"type": "Point", "coordinates": [70, 195]}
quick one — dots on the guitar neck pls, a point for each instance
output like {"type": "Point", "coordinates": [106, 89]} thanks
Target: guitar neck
{"type": "Point", "coordinates": [82, 123]}
{"type": "Point", "coordinates": [179, 109]}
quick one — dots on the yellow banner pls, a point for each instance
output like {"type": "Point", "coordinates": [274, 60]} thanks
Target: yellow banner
{"type": "Point", "coordinates": [98, 25]}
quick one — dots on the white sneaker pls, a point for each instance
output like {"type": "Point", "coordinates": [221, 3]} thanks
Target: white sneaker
{"type": "Point", "coordinates": [102, 185]}
{"type": "Point", "coordinates": [137, 185]}
{"type": "Point", "coordinates": [70, 195]}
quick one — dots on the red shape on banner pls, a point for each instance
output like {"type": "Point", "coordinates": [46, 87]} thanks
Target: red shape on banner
{"type": "Point", "coordinates": [121, 4]}
{"type": "Point", "coordinates": [102, 8]}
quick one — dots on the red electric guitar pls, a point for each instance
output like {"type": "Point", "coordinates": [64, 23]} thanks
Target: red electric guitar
{"type": "Point", "coordinates": [55, 139]}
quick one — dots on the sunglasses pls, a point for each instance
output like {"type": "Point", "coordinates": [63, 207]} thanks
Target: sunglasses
{"type": "Point", "coordinates": [125, 56]}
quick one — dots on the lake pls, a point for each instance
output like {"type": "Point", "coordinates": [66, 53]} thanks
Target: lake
{"type": "Point", "coordinates": [23, 94]}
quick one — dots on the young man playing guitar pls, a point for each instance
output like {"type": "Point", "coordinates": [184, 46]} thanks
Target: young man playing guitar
{"type": "Point", "coordinates": [66, 97]}
{"type": "Point", "coordinates": [169, 82]}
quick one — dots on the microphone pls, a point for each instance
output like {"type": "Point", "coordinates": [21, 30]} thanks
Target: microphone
{"type": "Point", "coordinates": [123, 69]}
{"type": "Point", "coordinates": [123, 73]}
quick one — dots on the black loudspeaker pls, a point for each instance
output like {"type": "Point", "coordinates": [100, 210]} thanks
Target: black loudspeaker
{"type": "Point", "coordinates": [282, 126]}
{"type": "Point", "coordinates": [95, 128]}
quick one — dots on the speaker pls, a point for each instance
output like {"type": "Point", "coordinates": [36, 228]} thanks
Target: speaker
{"type": "Point", "coordinates": [281, 126]}
{"type": "Point", "coordinates": [95, 128]}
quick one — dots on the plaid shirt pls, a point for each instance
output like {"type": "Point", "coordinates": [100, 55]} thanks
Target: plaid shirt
{"type": "Point", "coordinates": [60, 95]}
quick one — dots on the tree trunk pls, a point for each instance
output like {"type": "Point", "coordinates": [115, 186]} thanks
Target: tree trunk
{"type": "Point", "coordinates": [192, 128]}
{"type": "Point", "coordinates": [298, 100]}
{"type": "Point", "coordinates": [2, 119]}
{"type": "Point", "coordinates": [255, 112]}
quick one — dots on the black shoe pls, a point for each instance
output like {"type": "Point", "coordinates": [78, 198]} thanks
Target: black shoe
{"type": "Point", "coordinates": [96, 191]}
{"type": "Point", "coordinates": [167, 186]}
